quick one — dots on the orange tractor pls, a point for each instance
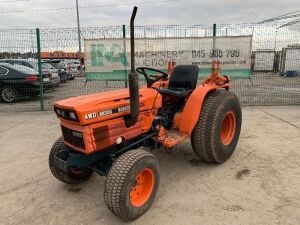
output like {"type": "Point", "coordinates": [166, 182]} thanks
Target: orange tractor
{"type": "Point", "coordinates": [102, 133]}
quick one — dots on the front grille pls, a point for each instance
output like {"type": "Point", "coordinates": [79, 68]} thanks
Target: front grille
{"type": "Point", "coordinates": [74, 138]}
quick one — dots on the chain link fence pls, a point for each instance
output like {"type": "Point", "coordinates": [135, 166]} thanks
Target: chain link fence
{"type": "Point", "coordinates": [274, 61]}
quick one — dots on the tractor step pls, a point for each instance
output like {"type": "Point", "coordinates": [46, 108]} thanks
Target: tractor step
{"type": "Point", "coordinates": [172, 138]}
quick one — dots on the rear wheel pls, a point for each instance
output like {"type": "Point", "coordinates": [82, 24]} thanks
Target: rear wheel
{"type": "Point", "coordinates": [216, 134]}
{"type": "Point", "coordinates": [132, 184]}
{"type": "Point", "coordinates": [74, 175]}
{"type": "Point", "coordinates": [8, 94]}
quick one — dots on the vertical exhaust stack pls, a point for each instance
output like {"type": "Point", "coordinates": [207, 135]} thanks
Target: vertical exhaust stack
{"type": "Point", "coordinates": [133, 79]}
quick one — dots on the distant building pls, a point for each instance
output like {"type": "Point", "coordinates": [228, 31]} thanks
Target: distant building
{"type": "Point", "coordinates": [61, 55]}
{"type": "Point", "coordinates": [294, 46]}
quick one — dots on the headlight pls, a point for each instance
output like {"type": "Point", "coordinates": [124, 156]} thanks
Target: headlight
{"type": "Point", "coordinates": [60, 112]}
{"type": "Point", "coordinates": [66, 114]}
{"type": "Point", "coordinates": [73, 115]}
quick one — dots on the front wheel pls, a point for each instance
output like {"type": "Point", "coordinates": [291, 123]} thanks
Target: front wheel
{"type": "Point", "coordinates": [74, 175]}
{"type": "Point", "coordinates": [216, 134]}
{"type": "Point", "coordinates": [131, 184]}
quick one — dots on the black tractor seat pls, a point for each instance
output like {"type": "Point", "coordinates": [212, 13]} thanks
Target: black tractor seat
{"type": "Point", "coordinates": [177, 92]}
{"type": "Point", "coordinates": [182, 82]}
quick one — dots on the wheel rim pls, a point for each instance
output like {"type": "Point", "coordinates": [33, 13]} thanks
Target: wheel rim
{"type": "Point", "coordinates": [142, 188]}
{"type": "Point", "coordinates": [75, 171]}
{"type": "Point", "coordinates": [8, 94]}
{"type": "Point", "coordinates": [228, 128]}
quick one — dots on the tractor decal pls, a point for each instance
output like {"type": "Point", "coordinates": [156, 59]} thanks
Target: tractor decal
{"type": "Point", "coordinates": [106, 112]}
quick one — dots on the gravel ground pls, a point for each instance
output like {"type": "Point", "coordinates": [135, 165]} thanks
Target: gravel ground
{"type": "Point", "coordinates": [259, 185]}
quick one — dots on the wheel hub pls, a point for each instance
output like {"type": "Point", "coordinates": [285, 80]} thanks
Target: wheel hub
{"type": "Point", "coordinates": [142, 187]}
{"type": "Point", "coordinates": [8, 94]}
{"type": "Point", "coordinates": [228, 128]}
{"type": "Point", "coordinates": [76, 171]}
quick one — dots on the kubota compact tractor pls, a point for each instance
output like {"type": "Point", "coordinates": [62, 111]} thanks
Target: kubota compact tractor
{"type": "Point", "coordinates": [102, 132]}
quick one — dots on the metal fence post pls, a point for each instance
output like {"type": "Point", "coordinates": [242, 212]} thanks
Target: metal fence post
{"type": "Point", "coordinates": [124, 47]}
{"type": "Point", "coordinates": [38, 42]}
{"type": "Point", "coordinates": [214, 40]}
{"type": "Point", "coordinates": [214, 29]}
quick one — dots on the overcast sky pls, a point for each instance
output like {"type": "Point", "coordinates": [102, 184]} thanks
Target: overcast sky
{"type": "Point", "coordinates": [180, 12]}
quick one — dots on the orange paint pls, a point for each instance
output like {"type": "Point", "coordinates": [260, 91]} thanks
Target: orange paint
{"type": "Point", "coordinates": [193, 106]}
{"type": "Point", "coordinates": [61, 55]}
{"type": "Point", "coordinates": [143, 187]}
{"type": "Point", "coordinates": [97, 137]}
{"type": "Point", "coordinates": [177, 120]}
{"type": "Point", "coordinates": [101, 116]}
{"type": "Point", "coordinates": [105, 101]}
{"type": "Point", "coordinates": [228, 128]}
{"type": "Point", "coordinates": [102, 131]}
{"type": "Point", "coordinates": [170, 138]}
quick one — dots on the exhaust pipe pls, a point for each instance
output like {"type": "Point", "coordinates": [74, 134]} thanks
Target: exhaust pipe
{"type": "Point", "coordinates": [133, 79]}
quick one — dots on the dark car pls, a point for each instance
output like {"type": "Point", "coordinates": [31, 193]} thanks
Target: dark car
{"type": "Point", "coordinates": [62, 71]}
{"type": "Point", "coordinates": [62, 67]}
{"type": "Point", "coordinates": [33, 63]}
{"type": "Point", "coordinates": [18, 82]}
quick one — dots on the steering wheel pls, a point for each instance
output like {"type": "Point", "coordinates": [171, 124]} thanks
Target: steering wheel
{"type": "Point", "coordinates": [151, 78]}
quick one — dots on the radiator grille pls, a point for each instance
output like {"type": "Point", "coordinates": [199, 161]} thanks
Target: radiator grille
{"type": "Point", "coordinates": [74, 138]}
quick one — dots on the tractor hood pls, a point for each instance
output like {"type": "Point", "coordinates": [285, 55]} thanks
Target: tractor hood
{"type": "Point", "coordinates": [104, 106]}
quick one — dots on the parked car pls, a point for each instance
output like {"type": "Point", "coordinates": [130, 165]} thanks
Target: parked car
{"type": "Point", "coordinates": [55, 77]}
{"type": "Point", "coordinates": [73, 66]}
{"type": "Point", "coordinates": [17, 81]}
{"type": "Point", "coordinates": [33, 63]}
{"type": "Point", "coordinates": [62, 70]}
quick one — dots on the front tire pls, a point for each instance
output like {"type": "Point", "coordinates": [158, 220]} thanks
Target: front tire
{"type": "Point", "coordinates": [216, 134]}
{"type": "Point", "coordinates": [131, 184]}
{"type": "Point", "coordinates": [75, 175]}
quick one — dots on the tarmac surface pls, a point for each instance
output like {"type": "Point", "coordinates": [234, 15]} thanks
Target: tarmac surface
{"type": "Point", "coordinates": [259, 184]}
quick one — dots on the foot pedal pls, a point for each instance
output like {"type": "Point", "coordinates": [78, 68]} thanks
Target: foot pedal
{"type": "Point", "coordinates": [172, 138]}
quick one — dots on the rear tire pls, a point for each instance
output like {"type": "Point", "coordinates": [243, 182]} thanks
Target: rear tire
{"type": "Point", "coordinates": [216, 134]}
{"type": "Point", "coordinates": [131, 184]}
{"type": "Point", "coordinates": [75, 175]}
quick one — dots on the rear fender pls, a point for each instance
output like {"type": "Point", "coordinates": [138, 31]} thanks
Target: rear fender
{"type": "Point", "coordinates": [193, 106]}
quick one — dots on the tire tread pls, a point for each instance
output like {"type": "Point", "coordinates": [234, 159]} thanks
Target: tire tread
{"type": "Point", "coordinates": [117, 179]}
{"type": "Point", "coordinates": [204, 133]}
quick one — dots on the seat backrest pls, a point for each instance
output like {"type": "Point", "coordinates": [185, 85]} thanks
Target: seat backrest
{"type": "Point", "coordinates": [184, 76]}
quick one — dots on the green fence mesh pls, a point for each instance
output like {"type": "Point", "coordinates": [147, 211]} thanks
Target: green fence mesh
{"type": "Point", "coordinates": [263, 60]}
